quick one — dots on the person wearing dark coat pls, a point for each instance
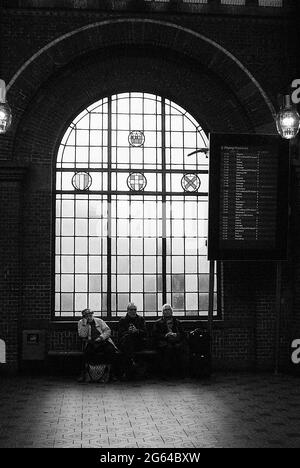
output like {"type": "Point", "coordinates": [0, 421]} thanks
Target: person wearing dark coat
{"type": "Point", "coordinates": [131, 334]}
{"type": "Point", "coordinates": [170, 342]}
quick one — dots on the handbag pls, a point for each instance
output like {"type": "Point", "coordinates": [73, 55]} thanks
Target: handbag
{"type": "Point", "coordinates": [98, 373]}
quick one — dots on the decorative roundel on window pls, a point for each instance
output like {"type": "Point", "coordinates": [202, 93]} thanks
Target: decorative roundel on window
{"type": "Point", "coordinates": [81, 181]}
{"type": "Point", "coordinates": [190, 182]}
{"type": "Point", "coordinates": [136, 138]}
{"type": "Point", "coordinates": [136, 181]}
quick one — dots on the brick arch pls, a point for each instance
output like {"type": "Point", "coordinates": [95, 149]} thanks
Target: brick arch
{"type": "Point", "coordinates": [136, 32]}
{"type": "Point", "coordinates": [81, 83]}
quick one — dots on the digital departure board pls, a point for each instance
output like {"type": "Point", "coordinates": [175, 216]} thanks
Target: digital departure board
{"type": "Point", "coordinates": [248, 197]}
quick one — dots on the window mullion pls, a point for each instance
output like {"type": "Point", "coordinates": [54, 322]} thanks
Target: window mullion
{"type": "Point", "coordinates": [109, 200]}
{"type": "Point", "coordinates": [164, 210]}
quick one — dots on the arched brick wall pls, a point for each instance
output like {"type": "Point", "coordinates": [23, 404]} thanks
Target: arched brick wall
{"type": "Point", "coordinates": [132, 55]}
{"type": "Point", "coordinates": [136, 33]}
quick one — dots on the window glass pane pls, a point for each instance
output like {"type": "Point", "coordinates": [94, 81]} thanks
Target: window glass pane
{"type": "Point", "coordinates": [149, 264]}
{"type": "Point", "coordinates": [159, 284]}
{"type": "Point", "coordinates": [178, 301]}
{"type": "Point", "coordinates": [123, 227]}
{"type": "Point", "coordinates": [81, 208]}
{"type": "Point", "coordinates": [123, 264]}
{"type": "Point", "coordinates": [81, 227]}
{"type": "Point", "coordinates": [122, 283]}
{"type": "Point", "coordinates": [123, 300]}
{"type": "Point", "coordinates": [178, 283]}
{"type": "Point", "coordinates": [150, 228]}
{"type": "Point", "coordinates": [57, 264]}
{"type": "Point", "coordinates": [95, 264]}
{"type": "Point", "coordinates": [81, 245]}
{"type": "Point", "coordinates": [137, 283]}
{"type": "Point", "coordinates": [150, 302]}
{"type": "Point", "coordinates": [94, 283]}
{"type": "Point", "coordinates": [177, 264]}
{"type": "Point", "coordinates": [203, 302]}
{"type": "Point", "coordinates": [136, 210]}
{"type": "Point", "coordinates": [191, 283]}
{"type": "Point", "coordinates": [136, 264]}
{"type": "Point", "coordinates": [123, 209]}
{"type": "Point", "coordinates": [204, 283]}
{"type": "Point", "coordinates": [203, 264]}
{"type": "Point", "coordinates": [113, 302]}
{"type": "Point", "coordinates": [177, 228]}
{"type": "Point", "coordinates": [67, 302]}
{"type": "Point", "coordinates": [94, 245]}
{"type": "Point", "coordinates": [95, 226]}
{"type": "Point", "coordinates": [191, 227]}
{"type": "Point", "coordinates": [66, 283]}
{"type": "Point", "coordinates": [57, 301]}
{"type": "Point", "coordinates": [94, 301]}
{"type": "Point", "coordinates": [67, 264]}
{"type": "Point", "coordinates": [138, 300]}
{"type": "Point", "coordinates": [80, 302]}
{"type": "Point", "coordinates": [177, 246]}
{"type": "Point", "coordinates": [95, 210]}
{"type": "Point", "coordinates": [123, 246]}
{"type": "Point", "coordinates": [67, 227]}
{"type": "Point", "coordinates": [190, 210]}
{"type": "Point", "coordinates": [136, 226]}
{"type": "Point", "coordinates": [191, 264]}
{"type": "Point", "coordinates": [150, 283]}
{"type": "Point", "coordinates": [81, 283]}
{"type": "Point", "coordinates": [114, 264]}
{"type": "Point", "coordinates": [176, 209]}
{"type": "Point", "coordinates": [191, 301]}
{"type": "Point", "coordinates": [191, 247]}
{"type": "Point", "coordinates": [67, 246]}
{"type": "Point", "coordinates": [149, 246]}
{"type": "Point", "coordinates": [202, 228]}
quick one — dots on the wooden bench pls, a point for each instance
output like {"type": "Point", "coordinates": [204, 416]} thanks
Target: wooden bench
{"type": "Point", "coordinates": [68, 361]}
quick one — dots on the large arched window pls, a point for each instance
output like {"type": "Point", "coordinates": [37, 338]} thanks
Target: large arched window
{"type": "Point", "coordinates": [131, 209]}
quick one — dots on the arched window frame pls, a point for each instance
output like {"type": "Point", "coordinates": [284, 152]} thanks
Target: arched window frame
{"type": "Point", "coordinates": [108, 172]}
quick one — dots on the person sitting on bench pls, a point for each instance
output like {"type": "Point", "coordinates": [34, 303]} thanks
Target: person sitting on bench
{"type": "Point", "coordinates": [169, 337]}
{"type": "Point", "coordinates": [132, 332]}
{"type": "Point", "coordinates": [97, 335]}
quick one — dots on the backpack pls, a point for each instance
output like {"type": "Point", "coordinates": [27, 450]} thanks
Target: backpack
{"type": "Point", "coordinates": [199, 342]}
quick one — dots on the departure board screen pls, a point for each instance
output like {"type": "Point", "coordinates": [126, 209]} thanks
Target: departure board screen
{"type": "Point", "coordinates": [248, 193]}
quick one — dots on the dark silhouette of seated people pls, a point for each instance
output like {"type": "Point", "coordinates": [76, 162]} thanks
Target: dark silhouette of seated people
{"type": "Point", "coordinates": [96, 334]}
{"type": "Point", "coordinates": [131, 334]}
{"type": "Point", "coordinates": [170, 341]}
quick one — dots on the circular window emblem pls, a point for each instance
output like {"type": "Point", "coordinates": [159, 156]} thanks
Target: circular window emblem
{"type": "Point", "coordinates": [136, 138]}
{"type": "Point", "coordinates": [136, 181]}
{"type": "Point", "coordinates": [81, 181]}
{"type": "Point", "coordinates": [190, 182]}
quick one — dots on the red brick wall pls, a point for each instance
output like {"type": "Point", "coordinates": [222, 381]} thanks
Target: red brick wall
{"type": "Point", "coordinates": [155, 58]}
{"type": "Point", "coordinates": [10, 265]}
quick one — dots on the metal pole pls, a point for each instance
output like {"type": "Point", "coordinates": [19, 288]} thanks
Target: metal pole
{"type": "Point", "coordinates": [277, 316]}
{"type": "Point", "coordinates": [211, 300]}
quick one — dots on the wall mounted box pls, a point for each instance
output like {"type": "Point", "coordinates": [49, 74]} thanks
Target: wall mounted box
{"type": "Point", "coordinates": [33, 345]}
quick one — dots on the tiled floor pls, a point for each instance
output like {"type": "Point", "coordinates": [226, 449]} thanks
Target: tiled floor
{"type": "Point", "coordinates": [235, 410]}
